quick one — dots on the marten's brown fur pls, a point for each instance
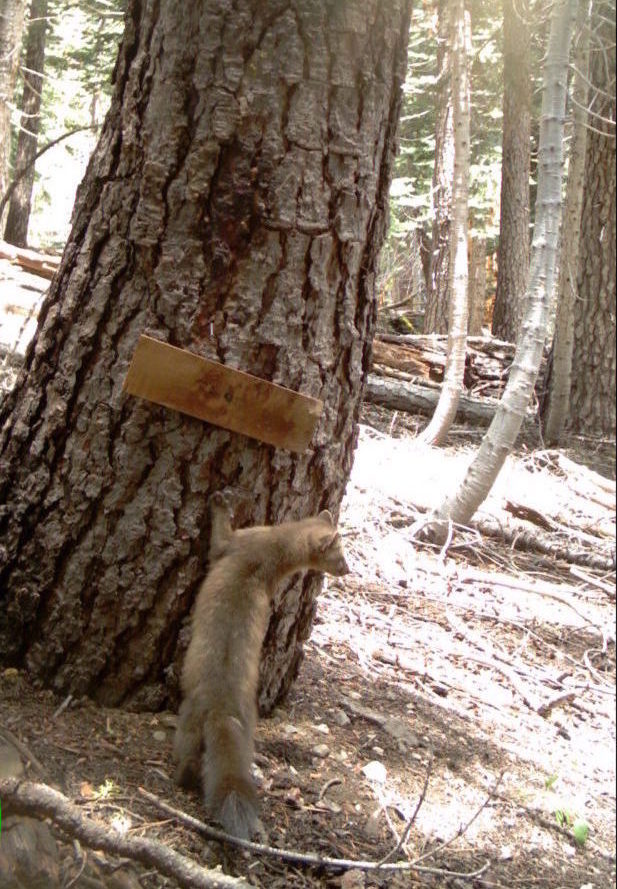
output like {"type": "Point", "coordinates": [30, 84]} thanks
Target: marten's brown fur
{"type": "Point", "coordinates": [220, 674]}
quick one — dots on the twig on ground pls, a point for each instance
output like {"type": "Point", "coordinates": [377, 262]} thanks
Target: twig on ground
{"type": "Point", "coordinates": [564, 697]}
{"type": "Point", "coordinates": [307, 858]}
{"type": "Point", "coordinates": [21, 747]}
{"type": "Point", "coordinates": [40, 801]}
{"type": "Point", "coordinates": [505, 582]}
{"type": "Point", "coordinates": [331, 783]}
{"type": "Point", "coordinates": [594, 581]}
{"type": "Point", "coordinates": [463, 828]}
{"type": "Point", "coordinates": [409, 825]}
{"type": "Point", "coordinates": [65, 703]}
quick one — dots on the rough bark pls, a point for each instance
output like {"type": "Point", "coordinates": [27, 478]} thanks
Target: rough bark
{"type": "Point", "coordinates": [513, 256]}
{"type": "Point", "coordinates": [501, 435]}
{"type": "Point", "coordinates": [477, 285]}
{"type": "Point", "coordinates": [445, 412]}
{"type": "Point", "coordinates": [560, 376]}
{"type": "Point", "coordinates": [438, 296]}
{"type": "Point", "coordinates": [16, 230]}
{"type": "Point", "coordinates": [235, 206]}
{"type": "Point", "coordinates": [11, 29]}
{"type": "Point", "coordinates": [592, 399]}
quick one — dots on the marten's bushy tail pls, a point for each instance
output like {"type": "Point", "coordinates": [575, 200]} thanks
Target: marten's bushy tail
{"type": "Point", "coordinates": [229, 791]}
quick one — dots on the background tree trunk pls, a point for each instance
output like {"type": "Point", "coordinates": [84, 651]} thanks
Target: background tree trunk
{"type": "Point", "coordinates": [501, 435]}
{"type": "Point", "coordinates": [234, 205]}
{"type": "Point", "coordinates": [11, 29]}
{"type": "Point", "coordinates": [513, 255]}
{"type": "Point", "coordinates": [592, 400]}
{"type": "Point", "coordinates": [477, 284]}
{"type": "Point", "coordinates": [560, 381]}
{"type": "Point", "coordinates": [16, 230]}
{"type": "Point", "coordinates": [438, 296]}
{"type": "Point", "coordinates": [445, 412]}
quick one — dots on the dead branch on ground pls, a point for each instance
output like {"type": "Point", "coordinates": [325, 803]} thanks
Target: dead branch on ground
{"type": "Point", "coordinates": [40, 801]}
{"type": "Point", "coordinates": [313, 860]}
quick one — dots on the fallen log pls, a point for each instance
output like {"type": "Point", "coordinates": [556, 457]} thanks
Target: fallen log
{"type": "Point", "coordinates": [487, 361]}
{"type": "Point", "coordinates": [414, 399]}
{"type": "Point", "coordinates": [43, 264]}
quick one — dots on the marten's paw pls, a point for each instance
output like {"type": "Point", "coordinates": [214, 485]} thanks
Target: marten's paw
{"type": "Point", "coordinates": [238, 815]}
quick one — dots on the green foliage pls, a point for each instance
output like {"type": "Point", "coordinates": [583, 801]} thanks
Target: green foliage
{"type": "Point", "coordinates": [411, 189]}
{"type": "Point", "coordinates": [80, 53]}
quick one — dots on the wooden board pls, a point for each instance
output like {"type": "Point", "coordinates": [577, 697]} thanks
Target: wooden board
{"type": "Point", "coordinates": [221, 395]}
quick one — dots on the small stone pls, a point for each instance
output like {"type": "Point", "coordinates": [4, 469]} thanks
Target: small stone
{"type": "Point", "coordinates": [159, 735]}
{"type": "Point", "coordinates": [341, 718]}
{"type": "Point", "coordinates": [320, 750]}
{"type": "Point", "coordinates": [377, 750]}
{"type": "Point", "coordinates": [375, 771]}
{"type": "Point", "coordinates": [322, 728]}
{"type": "Point", "coordinates": [371, 828]}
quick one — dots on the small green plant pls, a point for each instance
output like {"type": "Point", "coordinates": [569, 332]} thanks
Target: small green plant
{"type": "Point", "coordinates": [551, 781]}
{"type": "Point", "coordinates": [578, 826]}
{"type": "Point", "coordinates": [580, 831]}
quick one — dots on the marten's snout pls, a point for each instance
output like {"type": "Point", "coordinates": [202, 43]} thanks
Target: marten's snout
{"type": "Point", "coordinates": [341, 567]}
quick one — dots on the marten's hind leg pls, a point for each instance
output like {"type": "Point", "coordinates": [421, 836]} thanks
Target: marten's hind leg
{"type": "Point", "coordinates": [188, 745]}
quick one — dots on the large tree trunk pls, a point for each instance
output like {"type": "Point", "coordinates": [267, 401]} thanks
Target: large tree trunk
{"type": "Point", "coordinates": [234, 205]}
{"type": "Point", "coordinates": [16, 231]}
{"type": "Point", "coordinates": [445, 412]}
{"type": "Point", "coordinates": [513, 257]}
{"type": "Point", "coordinates": [592, 400]}
{"type": "Point", "coordinates": [11, 28]}
{"type": "Point", "coordinates": [501, 435]}
{"type": "Point", "coordinates": [560, 379]}
{"type": "Point", "coordinates": [438, 296]}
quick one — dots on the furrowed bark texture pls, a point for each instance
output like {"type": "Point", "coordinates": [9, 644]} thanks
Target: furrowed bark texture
{"type": "Point", "coordinates": [438, 297]}
{"type": "Point", "coordinates": [592, 396]}
{"type": "Point", "coordinates": [234, 206]}
{"type": "Point", "coordinates": [513, 257]}
{"type": "Point", "coordinates": [477, 284]}
{"type": "Point", "coordinates": [18, 216]}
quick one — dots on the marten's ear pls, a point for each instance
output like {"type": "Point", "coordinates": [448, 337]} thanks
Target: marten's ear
{"type": "Point", "coordinates": [326, 516]}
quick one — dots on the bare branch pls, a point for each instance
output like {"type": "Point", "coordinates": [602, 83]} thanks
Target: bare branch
{"type": "Point", "coordinates": [40, 801]}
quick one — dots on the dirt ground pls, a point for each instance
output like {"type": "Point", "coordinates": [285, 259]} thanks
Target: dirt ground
{"type": "Point", "coordinates": [478, 681]}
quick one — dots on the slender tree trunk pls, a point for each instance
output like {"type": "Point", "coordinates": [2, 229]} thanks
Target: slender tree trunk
{"type": "Point", "coordinates": [234, 206]}
{"type": "Point", "coordinates": [16, 230]}
{"type": "Point", "coordinates": [563, 339]}
{"type": "Point", "coordinates": [502, 433]}
{"type": "Point", "coordinates": [592, 400]}
{"type": "Point", "coordinates": [477, 284]}
{"type": "Point", "coordinates": [513, 256]}
{"type": "Point", "coordinates": [11, 28]}
{"type": "Point", "coordinates": [438, 296]}
{"type": "Point", "coordinates": [445, 412]}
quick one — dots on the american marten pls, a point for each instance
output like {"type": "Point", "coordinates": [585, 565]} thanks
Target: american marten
{"type": "Point", "coordinates": [220, 674]}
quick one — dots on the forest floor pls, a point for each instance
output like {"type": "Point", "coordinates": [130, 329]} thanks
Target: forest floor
{"type": "Point", "coordinates": [476, 682]}
{"type": "Point", "coordinates": [458, 704]}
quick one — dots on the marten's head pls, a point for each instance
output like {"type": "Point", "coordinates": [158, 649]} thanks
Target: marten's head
{"type": "Point", "coordinates": [326, 546]}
